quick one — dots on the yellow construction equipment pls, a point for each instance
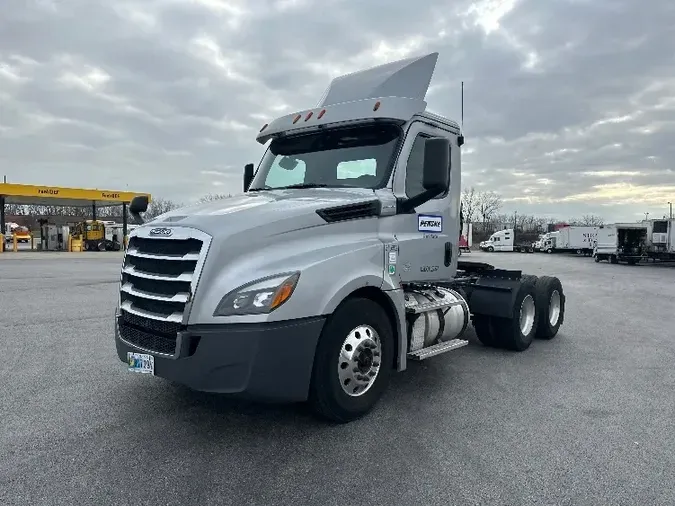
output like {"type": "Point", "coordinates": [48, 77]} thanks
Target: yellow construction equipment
{"type": "Point", "coordinates": [97, 235]}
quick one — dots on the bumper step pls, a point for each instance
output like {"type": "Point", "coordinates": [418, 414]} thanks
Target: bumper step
{"type": "Point", "coordinates": [437, 349]}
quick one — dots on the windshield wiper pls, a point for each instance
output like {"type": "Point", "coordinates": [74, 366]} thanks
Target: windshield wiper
{"type": "Point", "coordinates": [302, 185]}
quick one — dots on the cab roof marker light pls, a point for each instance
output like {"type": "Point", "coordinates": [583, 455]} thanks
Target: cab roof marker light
{"type": "Point", "coordinates": [297, 118]}
{"type": "Point", "coordinates": [323, 111]}
{"type": "Point", "coordinates": [309, 115]}
{"type": "Point", "coordinates": [376, 106]}
{"type": "Point", "coordinates": [264, 127]}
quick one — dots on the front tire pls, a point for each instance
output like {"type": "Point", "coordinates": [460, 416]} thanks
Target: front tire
{"type": "Point", "coordinates": [353, 362]}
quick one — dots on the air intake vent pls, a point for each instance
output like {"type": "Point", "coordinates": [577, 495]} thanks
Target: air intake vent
{"type": "Point", "coordinates": [351, 211]}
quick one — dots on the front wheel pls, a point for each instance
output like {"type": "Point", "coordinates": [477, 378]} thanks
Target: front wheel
{"type": "Point", "coordinates": [353, 361]}
{"type": "Point", "coordinates": [491, 249]}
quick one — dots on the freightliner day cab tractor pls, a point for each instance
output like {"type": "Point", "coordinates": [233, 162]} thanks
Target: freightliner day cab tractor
{"type": "Point", "coordinates": [336, 265]}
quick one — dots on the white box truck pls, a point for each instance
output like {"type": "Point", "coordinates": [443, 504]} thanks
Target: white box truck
{"type": "Point", "coordinates": [621, 242]}
{"type": "Point", "coordinates": [317, 283]}
{"type": "Point", "coordinates": [580, 240]}
{"type": "Point", "coordinates": [661, 239]}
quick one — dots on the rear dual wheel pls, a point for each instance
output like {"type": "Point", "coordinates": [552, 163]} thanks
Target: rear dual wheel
{"type": "Point", "coordinates": [538, 311]}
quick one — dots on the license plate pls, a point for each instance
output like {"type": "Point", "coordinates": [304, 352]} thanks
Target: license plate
{"type": "Point", "coordinates": [141, 362]}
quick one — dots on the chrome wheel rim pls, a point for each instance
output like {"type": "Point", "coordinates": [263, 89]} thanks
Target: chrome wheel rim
{"type": "Point", "coordinates": [554, 308]}
{"type": "Point", "coordinates": [359, 360]}
{"type": "Point", "coordinates": [527, 312]}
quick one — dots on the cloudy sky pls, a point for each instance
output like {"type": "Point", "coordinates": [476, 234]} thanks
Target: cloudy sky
{"type": "Point", "coordinates": [569, 104]}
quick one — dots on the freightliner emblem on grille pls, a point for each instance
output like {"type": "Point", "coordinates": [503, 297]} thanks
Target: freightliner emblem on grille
{"type": "Point", "coordinates": [166, 232]}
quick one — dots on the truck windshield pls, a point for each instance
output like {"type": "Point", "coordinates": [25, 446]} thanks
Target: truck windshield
{"type": "Point", "coordinates": [357, 157]}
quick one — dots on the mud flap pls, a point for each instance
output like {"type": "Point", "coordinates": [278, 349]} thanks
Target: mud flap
{"type": "Point", "coordinates": [493, 294]}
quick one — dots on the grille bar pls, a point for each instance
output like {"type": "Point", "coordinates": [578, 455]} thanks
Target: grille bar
{"type": "Point", "coordinates": [131, 270]}
{"type": "Point", "coordinates": [179, 297]}
{"type": "Point", "coordinates": [187, 256]}
{"type": "Point", "coordinates": [128, 306]}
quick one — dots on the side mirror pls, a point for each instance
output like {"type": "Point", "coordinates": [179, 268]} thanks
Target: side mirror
{"type": "Point", "coordinates": [436, 169]}
{"type": "Point", "coordinates": [435, 173]}
{"type": "Point", "coordinates": [248, 175]}
{"type": "Point", "coordinates": [138, 205]}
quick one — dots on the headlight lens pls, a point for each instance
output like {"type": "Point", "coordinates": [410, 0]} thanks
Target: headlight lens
{"type": "Point", "coordinates": [259, 297]}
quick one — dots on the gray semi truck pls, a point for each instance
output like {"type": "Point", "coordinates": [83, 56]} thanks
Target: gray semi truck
{"type": "Point", "coordinates": [336, 266]}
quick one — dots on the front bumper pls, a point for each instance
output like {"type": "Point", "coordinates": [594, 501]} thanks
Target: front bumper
{"type": "Point", "coordinates": [261, 361]}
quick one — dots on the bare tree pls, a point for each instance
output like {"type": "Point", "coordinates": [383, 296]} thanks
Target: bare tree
{"type": "Point", "coordinates": [160, 206]}
{"type": "Point", "coordinates": [469, 204]}
{"type": "Point", "coordinates": [488, 203]}
{"type": "Point", "coordinates": [591, 220]}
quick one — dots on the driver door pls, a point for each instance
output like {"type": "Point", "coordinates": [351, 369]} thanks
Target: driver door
{"type": "Point", "coordinates": [423, 236]}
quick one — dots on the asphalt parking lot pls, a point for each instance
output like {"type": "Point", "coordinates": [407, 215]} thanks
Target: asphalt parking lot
{"type": "Point", "coordinates": [585, 419]}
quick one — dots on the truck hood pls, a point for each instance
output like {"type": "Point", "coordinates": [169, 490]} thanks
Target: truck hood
{"type": "Point", "coordinates": [266, 211]}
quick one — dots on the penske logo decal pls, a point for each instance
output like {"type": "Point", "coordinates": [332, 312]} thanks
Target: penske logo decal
{"type": "Point", "coordinates": [429, 223]}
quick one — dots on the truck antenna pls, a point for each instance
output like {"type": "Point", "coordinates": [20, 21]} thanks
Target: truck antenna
{"type": "Point", "coordinates": [460, 139]}
{"type": "Point", "coordinates": [462, 122]}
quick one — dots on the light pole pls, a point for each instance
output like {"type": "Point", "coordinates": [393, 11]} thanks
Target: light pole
{"type": "Point", "coordinates": [670, 205]}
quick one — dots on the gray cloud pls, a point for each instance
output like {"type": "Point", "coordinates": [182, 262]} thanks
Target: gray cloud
{"type": "Point", "coordinates": [569, 105]}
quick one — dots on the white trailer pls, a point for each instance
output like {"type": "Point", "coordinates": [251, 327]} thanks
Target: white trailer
{"type": "Point", "coordinates": [621, 242]}
{"type": "Point", "coordinates": [660, 239]}
{"type": "Point", "coordinates": [567, 239]}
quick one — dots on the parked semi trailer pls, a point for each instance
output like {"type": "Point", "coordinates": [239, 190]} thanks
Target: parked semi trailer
{"type": "Point", "coordinates": [661, 239]}
{"type": "Point", "coordinates": [510, 240]}
{"type": "Point", "coordinates": [621, 242]}
{"type": "Point", "coordinates": [336, 266]}
{"type": "Point", "coordinates": [580, 240]}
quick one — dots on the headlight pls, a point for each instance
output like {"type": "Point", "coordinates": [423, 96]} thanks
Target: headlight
{"type": "Point", "coordinates": [259, 297]}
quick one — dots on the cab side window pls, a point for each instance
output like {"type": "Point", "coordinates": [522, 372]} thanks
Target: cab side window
{"type": "Point", "coordinates": [414, 170]}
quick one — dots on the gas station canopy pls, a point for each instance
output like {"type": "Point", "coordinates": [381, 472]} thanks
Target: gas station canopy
{"type": "Point", "coordinates": [25, 194]}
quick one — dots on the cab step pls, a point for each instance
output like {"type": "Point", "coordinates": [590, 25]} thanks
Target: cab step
{"type": "Point", "coordinates": [437, 349]}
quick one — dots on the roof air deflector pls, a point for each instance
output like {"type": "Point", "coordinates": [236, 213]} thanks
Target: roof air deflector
{"type": "Point", "coordinates": [408, 78]}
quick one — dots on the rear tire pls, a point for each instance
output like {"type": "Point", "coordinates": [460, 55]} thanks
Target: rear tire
{"type": "Point", "coordinates": [334, 360]}
{"type": "Point", "coordinates": [482, 324]}
{"type": "Point", "coordinates": [597, 258]}
{"type": "Point", "coordinates": [517, 333]}
{"type": "Point", "coordinates": [550, 300]}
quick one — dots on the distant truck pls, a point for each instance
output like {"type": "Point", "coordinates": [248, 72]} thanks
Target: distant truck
{"type": "Point", "coordinates": [510, 240]}
{"type": "Point", "coordinates": [541, 239]}
{"type": "Point", "coordinates": [571, 239]}
{"type": "Point", "coordinates": [621, 242]}
{"type": "Point", "coordinates": [466, 238]}
{"type": "Point", "coordinates": [14, 230]}
{"type": "Point", "coordinates": [660, 244]}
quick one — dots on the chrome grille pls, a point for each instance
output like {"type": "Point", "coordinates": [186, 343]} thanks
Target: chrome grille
{"type": "Point", "coordinates": [158, 276]}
